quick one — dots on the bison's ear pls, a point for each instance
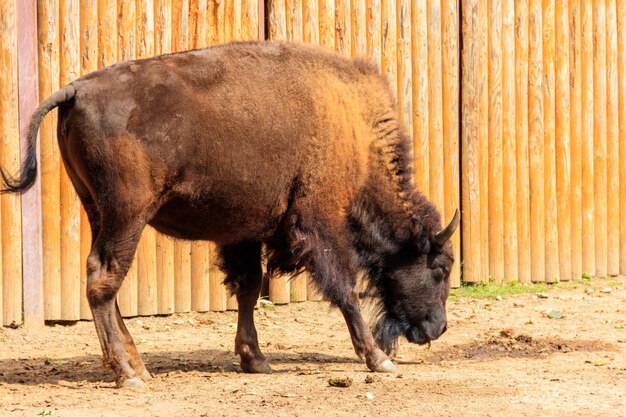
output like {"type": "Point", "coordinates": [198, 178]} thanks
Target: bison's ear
{"type": "Point", "coordinates": [442, 236]}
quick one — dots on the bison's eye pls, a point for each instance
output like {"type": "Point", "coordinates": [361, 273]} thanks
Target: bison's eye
{"type": "Point", "coordinates": [438, 274]}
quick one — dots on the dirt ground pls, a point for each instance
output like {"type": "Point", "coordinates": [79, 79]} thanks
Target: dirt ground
{"type": "Point", "coordinates": [498, 358]}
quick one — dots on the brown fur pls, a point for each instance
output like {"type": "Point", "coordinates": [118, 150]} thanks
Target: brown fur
{"type": "Point", "coordinates": [250, 143]}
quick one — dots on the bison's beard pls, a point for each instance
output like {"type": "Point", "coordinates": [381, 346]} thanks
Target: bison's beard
{"type": "Point", "coordinates": [387, 331]}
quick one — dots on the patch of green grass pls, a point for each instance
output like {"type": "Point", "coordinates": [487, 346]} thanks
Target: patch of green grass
{"type": "Point", "coordinates": [491, 290]}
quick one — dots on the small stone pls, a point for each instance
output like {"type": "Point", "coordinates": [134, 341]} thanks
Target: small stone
{"type": "Point", "coordinates": [192, 322]}
{"type": "Point", "coordinates": [179, 322]}
{"type": "Point", "coordinates": [508, 333]}
{"type": "Point", "coordinates": [139, 323]}
{"type": "Point", "coordinates": [339, 381]}
{"type": "Point", "coordinates": [369, 396]}
{"type": "Point", "coordinates": [606, 290]}
{"type": "Point", "coordinates": [166, 327]}
{"type": "Point", "coordinates": [589, 290]}
{"type": "Point", "coordinates": [499, 298]}
{"type": "Point", "coordinates": [370, 379]}
{"type": "Point", "coordinates": [542, 295]}
{"type": "Point", "coordinates": [27, 338]}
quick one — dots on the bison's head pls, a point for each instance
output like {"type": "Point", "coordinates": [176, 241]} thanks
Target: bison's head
{"type": "Point", "coordinates": [414, 286]}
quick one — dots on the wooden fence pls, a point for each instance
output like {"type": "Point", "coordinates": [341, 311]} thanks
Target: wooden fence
{"type": "Point", "coordinates": [524, 129]}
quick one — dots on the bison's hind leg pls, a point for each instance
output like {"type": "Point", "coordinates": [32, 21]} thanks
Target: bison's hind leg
{"type": "Point", "coordinates": [241, 262]}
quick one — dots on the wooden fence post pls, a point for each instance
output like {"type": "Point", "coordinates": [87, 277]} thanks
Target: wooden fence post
{"type": "Point", "coordinates": [612, 141]}
{"type": "Point", "coordinates": [621, 46]}
{"type": "Point", "coordinates": [31, 201]}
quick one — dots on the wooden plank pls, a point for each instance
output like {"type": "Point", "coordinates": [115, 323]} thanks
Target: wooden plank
{"type": "Point", "coordinates": [587, 108]}
{"type": "Point", "coordinates": [404, 66]}
{"type": "Point", "coordinates": [200, 272]}
{"type": "Point", "coordinates": [182, 249]}
{"type": "Point", "coordinates": [536, 142]}
{"type": "Point", "coordinates": [612, 141]}
{"type": "Point", "coordinates": [342, 27]}
{"type": "Point", "coordinates": [217, 291]}
{"type": "Point", "coordinates": [450, 84]}
{"type": "Point", "coordinates": [294, 22]}
{"type": "Point", "coordinates": [599, 135]}
{"type": "Point", "coordinates": [310, 22]}
{"type": "Point", "coordinates": [250, 19]}
{"type": "Point", "coordinates": [32, 256]}
{"type": "Point", "coordinates": [435, 103]}
{"type": "Point", "coordinates": [126, 44]}
{"type": "Point", "coordinates": [549, 98]}
{"type": "Point", "coordinates": [470, 107]}
{"type": "Point", "coordinates": [562, 138]}
{"type": "Point", "coordinates": [48, 43]}
{"type": "Point", "coordinates": [164, 244]}
{"type": "Point", "coordinates": [327, 23]}
{"type": "Point", "coordinates": [509, 157]}
{"type": "Point", "coordinates": [70, 204]}
{"type": "Point", "coordinates": [88, 10]}
{"type": "Point", "coordinates": [419, 48]}
{"type": "Point", "coordinates": [10, 204]}
{"type": "Point", "coordinates": [147, 287]}
{"type": "Point", "coordinates": [358, 26]}
{"type": "Point", "coordinates": [496, 219]}
{"type": "Point", "coordinates": [483, 134]}
{"type": "Point", "coordinates": [374, 32]}
{"type": "Point", "coordinates": [521, 139]}
{"type": "Point", "coordinates": [279, 291]}
{"type": "Point", "coordinates": [575, 69]}
{"type": "Point", "coordinates": [621, 46]}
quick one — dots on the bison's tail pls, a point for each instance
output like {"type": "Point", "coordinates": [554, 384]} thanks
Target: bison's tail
{"type": "Point", "coordinates": [26, 178]}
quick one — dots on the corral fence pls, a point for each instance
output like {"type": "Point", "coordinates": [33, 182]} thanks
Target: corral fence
{"type": "Point", "coordinates": [517, 111]}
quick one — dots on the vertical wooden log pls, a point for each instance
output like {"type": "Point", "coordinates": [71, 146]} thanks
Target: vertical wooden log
{"type": "Point", "coordinates": [435, 115]}
{"type": "Point", "coordinates": [562, 137]}
{"type": "Point", "coordinates": [294, 16]}
{"type": "Point", "coordinates": [10, 204]}
{"type": "Point", "coordinates": [483, 134]}
{"type": "Point", "coordinates": [374, 31]}
{"type": "Point", "coordinates": [217, 291]}
{"type": "Point", "coordinates": [250, 23]}
{"type": "Point", "coordinates": [342, 27]}
{"type": "Point", "coordinates": [612, 141]}
{"type": "Point", "coordinates": [575, 69]}
{"type": "Point", "coordinates": [70, 205]}
{"type": "Point", "coordinates": [419, 47]}
{"type": "Point", "coordinates": [599, 134]}
{"type": "Point", "coordinates": [88, 63]}
{"type": "Point", "coordinates": [32, 256]}
{"type": "Point", "coordinates": [521, 139]}
{"type": "Point", "coordinates": [310, 22]}
{"type": "Point", "coordinates": [621, 46]}
{"type": "Point", "coordinates": [587, 131]}
{"type": "Point", "coordinates": [450, 84]}
{"type": "Point", "coordinates": [536, 142]}
{"type": "Point", "coordinates": [327, 23]}
{"type": "Point", "coordinates": [49, 78]}
{"type": "Point", "coordinates": [279, 288]}
{"type": "Point", "coordinates": [470, 107]}
{"type": "Point", "coordinates": [164, 245]}
{"type": "Point", "coordinates": [147, 287]}
{"type": "Point", "coordinates": [182, 249]}
{"type": "Point", "coordinates": [200, 251]}
{"type": "Point", "coordinates": [126, 11]}
{"type": "Point", "coordinates": [358, 26]}
{"type": "Point", "coordinates": [403, 64]}
{"type": "Point", "coordinates": [389, 57]}
{"type": "Point", "coordinates": [549, 98]}
{"type": "Point", "coordinates": [509, 166]}
{"type": "Point", "coordinates": [496, 220]}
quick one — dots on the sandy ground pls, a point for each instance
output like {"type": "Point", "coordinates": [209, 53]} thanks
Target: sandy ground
{"type": "Point", "coordinates": [498, 358]}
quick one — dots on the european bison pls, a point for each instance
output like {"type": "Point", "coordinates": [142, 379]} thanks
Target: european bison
{"type": "Point", "coordinates": [252, 144]}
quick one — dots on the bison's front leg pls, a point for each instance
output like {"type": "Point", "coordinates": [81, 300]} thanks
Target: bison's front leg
{"type": "Point", "coordinates": [242, 264]}
{"type": "Point", "coordinates": [362, 339]}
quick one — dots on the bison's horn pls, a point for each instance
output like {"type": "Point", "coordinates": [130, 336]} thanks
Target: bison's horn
{"type": "Point", "coordinates": [442, 236]}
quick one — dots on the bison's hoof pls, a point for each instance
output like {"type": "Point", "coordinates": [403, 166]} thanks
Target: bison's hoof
{"type": "Point", "coordinates": [385, 366]}
{"type": "Point", "coordinates": [251, 367]}
{"type": "Point", "coordinates": [135, 383]}
{"type": "Point", "coordinates": [144, 375]}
